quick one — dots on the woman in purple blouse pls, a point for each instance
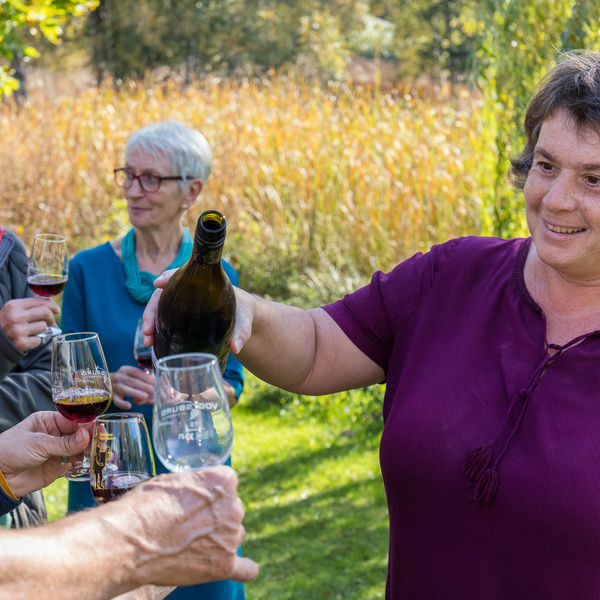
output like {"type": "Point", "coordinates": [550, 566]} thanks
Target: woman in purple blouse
{"type": "Point", "coordinates": [490, 351]}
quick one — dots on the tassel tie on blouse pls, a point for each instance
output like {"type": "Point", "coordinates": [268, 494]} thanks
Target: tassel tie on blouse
{"type": "Point", "coordinates": [476, 465]}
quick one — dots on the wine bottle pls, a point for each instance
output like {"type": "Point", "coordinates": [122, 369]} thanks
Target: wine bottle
{"type": "Point", "coordinates": [196, 310]}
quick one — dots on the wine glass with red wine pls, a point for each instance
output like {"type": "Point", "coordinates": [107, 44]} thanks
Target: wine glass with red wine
{"type": "Point", "coordinates": [192, 426]}
{"type": "Point", "coordinates": [141, 353]}
{"type": "Point", "coordinates": [47, 271]}
{"type": "Point", "coordinates": [121, 455]}
{"type": "Point", "coordinates": [81, 387]}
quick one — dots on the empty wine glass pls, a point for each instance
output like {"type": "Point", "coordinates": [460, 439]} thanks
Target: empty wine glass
{"type": "Point", "coordinates": [81, 388]}
{"type": "Point", "coordinates": [121, 455]}
{"type": "Point", "coordinates": [141, 353]}
{"type": "Point", "coordinates": [192, 426]}
{"type": "Point", "coordinates": [47, 271]}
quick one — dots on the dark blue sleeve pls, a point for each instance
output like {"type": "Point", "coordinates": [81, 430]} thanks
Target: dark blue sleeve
{"type": "Point", "coordinates": [234, 372]}
{"type": "Point", "coordinates": [7, 503]}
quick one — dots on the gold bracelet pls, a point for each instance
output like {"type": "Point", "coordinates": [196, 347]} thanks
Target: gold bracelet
{"type": "Point", "coordinates": [6, 488]}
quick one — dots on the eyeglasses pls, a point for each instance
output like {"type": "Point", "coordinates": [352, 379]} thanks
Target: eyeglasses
{"type": "Point", "coordinates": [148, 182]}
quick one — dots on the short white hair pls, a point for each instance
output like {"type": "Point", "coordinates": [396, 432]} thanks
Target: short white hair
{"type": "Point", "coordinates": [187, 148]}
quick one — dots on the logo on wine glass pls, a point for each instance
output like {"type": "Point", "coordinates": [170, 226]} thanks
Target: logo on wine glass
{"type": "Point", "coordinates": [101, 455]}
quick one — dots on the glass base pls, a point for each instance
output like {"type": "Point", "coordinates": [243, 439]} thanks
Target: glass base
{"type": "Point", "coordinates": [50, 332]}
{"type": "Point", "coordinates": [81, 473]}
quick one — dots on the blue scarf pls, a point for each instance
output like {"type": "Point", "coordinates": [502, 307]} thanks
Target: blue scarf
{"type": "Point", "coordinates": [140, 284]}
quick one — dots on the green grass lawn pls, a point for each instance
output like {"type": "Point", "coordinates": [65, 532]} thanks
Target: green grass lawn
{"type": "Point", "coordinates": [316, 514]}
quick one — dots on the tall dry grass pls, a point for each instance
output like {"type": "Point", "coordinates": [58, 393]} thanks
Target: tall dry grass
{"type": "Point", "coordinates": [336, 179]}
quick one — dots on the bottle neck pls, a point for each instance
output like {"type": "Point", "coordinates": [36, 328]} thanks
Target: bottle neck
{"type": "Point", "coordinates": [209, 238]}
{"type": "Point", "coordinates": [206, 254]}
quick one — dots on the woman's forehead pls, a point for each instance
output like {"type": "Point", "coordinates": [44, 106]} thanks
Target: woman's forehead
{"type": "Point", "coordinates": [148, 158]}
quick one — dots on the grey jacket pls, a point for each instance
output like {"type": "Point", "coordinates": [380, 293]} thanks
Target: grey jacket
{"type": "Point", "coordinates": [24, 376]}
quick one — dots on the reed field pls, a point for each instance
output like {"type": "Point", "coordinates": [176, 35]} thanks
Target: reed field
{"type": "Point", "coordinates": [321, 183]}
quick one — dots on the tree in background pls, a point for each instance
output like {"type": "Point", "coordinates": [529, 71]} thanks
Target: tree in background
{"type": "Point", "coordinates": [438, 37]}
{"type": "Point", "coordinates": [129, 38]}
{"type": "Point", "coordinates": [522, 38]}
{"type": "Point", "coordinates": [21, 24]}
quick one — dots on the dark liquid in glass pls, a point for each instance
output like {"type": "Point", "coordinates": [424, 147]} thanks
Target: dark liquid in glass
{"type": "Point", "coordinates": [144, 360]}
{"type": "Point", "coordinates": [116, 484]}
{"type": "Point", "coordinates": [47, 285]}
{"type": "Point", "coordinates": [83, 408]}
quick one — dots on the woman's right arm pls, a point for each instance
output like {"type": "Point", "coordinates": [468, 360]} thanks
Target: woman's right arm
{"type": "Point", "coordinates": [303, 351]}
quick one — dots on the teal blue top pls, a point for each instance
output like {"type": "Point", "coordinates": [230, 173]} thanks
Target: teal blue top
{"type": "Point", "coordinates": [96, 299]}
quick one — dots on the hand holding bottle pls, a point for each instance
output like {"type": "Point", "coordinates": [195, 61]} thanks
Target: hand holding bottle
{"type": "Point", "coordinates": [244, 316]}
{"type": "Point", "coordinates": [196, 311]}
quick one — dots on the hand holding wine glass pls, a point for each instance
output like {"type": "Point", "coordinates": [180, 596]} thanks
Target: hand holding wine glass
{"type": "Point", "coordinates": [47, 271]}
{"type": "Point", "coordinates": [81, 387]}
{"type": "Point", "coordinates": [121, 455]}
{"type": "Point", "coordinates": [192, 426]}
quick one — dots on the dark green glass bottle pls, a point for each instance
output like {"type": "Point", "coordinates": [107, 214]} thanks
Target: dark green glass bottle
{"type": "Point", "coordinates": [196, 310]}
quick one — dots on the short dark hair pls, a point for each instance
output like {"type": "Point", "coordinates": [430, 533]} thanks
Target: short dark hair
{"type": "Point", "coordinates": [572, 84]}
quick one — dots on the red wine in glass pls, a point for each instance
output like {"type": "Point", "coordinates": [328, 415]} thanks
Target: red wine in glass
{"type": "Point", "coordinates": [47, 286]}
{"type": "Point", "coordinates": [144, 360]}
{"type": "Point", "coordinates": [141, 353]}
{"type": "Point", "coordinates": [121, 455]}
{"type": "Point", "coordinates": [81, 387]}
{"type": "Point", "coordinates": [82, 405]}
{"type": "Point", "coordinates": [116, 484]}
{"type": "Point", "coordinates": [47, 270]}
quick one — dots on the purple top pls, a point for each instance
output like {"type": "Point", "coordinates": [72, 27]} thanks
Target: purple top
{"type": "Point", "coordinates": [464, 350]}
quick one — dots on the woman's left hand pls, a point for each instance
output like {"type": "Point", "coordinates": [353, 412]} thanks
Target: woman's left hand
{"type": "Point", "coordinates": [134, 382]}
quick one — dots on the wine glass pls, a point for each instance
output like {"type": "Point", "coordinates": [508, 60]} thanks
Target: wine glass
{"type": "Point", "coordinates": [141, 353]}
{"type": "Point", "coordinates": [81, 387]}
{"type": "Point", "coordinates": [192, 426]}
{"type": "Point", "coordinates": [121, 455]}
{"type": "Point", "coordinates": [47, 271]}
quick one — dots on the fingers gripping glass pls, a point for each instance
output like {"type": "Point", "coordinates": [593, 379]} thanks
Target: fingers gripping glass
{"type": "Point", "coordinates": [148, 182]}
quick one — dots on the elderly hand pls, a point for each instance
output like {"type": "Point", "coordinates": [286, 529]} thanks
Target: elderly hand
{"type": "Point", "coordinates": [134, 382]}
{"type": "Point", "coordinates": [244, 316]}
{"type": "Point", "coordinates": [24, 318]}
{"type": "Point", "coordinates": [31, 451]}
{"type": "Point", "coordinates": [185, 528]}
{"type": "Point", "coordinates": [146, 592]}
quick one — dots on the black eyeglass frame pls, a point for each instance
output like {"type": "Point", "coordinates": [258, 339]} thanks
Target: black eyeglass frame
{"type": "Point", "coordinates": [133, 176]}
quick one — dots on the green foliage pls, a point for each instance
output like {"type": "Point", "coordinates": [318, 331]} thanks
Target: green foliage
{"type": "Point", "coordinates": [21, 22]}
{"type": "Point", "coordinates": [131, 37]}
{"type": "Point", "coordinates": [438, 38]}
{"type": "Point", "coordinates": [359, 411]}
{"type": "Point", "coordinates": [521, 40]}
{"type": "Point", "coordinates": [315, 504]}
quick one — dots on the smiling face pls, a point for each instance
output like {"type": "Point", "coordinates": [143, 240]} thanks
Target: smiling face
{"type": "Point", "coordinates": [562, 198]}
{"type": "Point", "coordinates": [155, 210]}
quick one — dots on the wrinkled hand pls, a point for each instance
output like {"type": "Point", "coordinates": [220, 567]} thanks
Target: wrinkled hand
{"type": "Point", "coordinates": [186, 528]}
{"type": "Point", "coordinates": [24, 318]}
{"type": "Point", "coordinates": [31, 451]}
{"type": "Point", "coordinates": [134, 382]}
{"type": "Point", "coordinates": [146, 592]}
{"type": "Point", "coordinates": [244, 316]}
